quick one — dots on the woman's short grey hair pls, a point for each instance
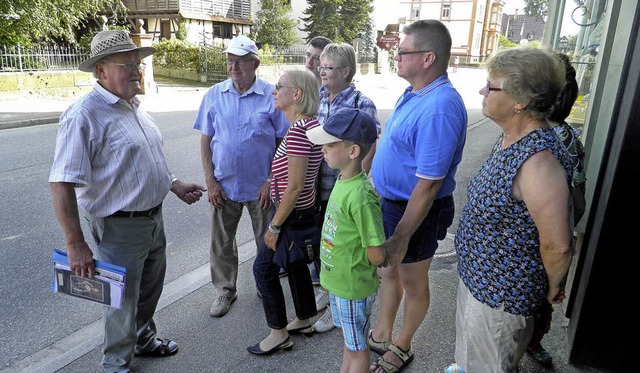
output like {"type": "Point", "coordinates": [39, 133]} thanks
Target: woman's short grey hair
{"type": "Point", "coordinates": [343, 55]}
{"type": "Point", "coordinates": [534, 76]}
{"type": "Point", "coordinates": [307, 83]}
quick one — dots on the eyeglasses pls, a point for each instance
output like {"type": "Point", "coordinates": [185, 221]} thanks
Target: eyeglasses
{"type": "Point", "coordinates": [278, 86]}
{"type": "Point", "coordinates": [329, 68]}
{"type": "Point", "coordinates": [402, 53]}
{"type": "Point", "coordinates": [239, 62]}
{"type": "Point", "coordinates": [312, 57]}
{"type": "Point", "coordinates": [128, 67]}
{"type": "Point", "coordinates": [489, 88]}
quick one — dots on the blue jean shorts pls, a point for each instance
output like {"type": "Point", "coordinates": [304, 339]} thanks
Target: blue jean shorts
{"type": "Point", "coordinates": [424, 242]}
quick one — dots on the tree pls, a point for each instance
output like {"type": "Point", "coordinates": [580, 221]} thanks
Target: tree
{"type": "Point", "coordinates": [23, 21]}
{"type": "Point", "coordinates": [339, 20]}
{"type": "Point", "coordinates": [536, 8]}
{"type": "Point", "coordinates": [274, 25]}
{"type": "Point", "coordinates": [505, 43]}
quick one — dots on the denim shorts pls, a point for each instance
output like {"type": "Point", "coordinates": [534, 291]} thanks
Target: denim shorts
{"type": "Point", "coordinates": [424, 242]}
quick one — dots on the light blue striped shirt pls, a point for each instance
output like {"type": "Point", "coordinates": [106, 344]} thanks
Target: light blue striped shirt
{"type": "Point", "coordinates": [244, 130]}
{"type": "Point", "coordinates": [112, 152]}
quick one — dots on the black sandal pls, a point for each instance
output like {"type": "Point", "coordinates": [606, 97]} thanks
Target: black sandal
{"type": "Point", "coordinates": [167, 347]}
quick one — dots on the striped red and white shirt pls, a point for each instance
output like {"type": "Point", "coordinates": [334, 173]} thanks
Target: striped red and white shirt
{"type": "Point", "coordinates": [296, 143]}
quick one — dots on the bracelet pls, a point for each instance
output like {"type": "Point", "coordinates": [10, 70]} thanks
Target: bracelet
{"type": "Point", "coordinates": [174, 178]}
{"type": "Point", "coordinates": [273, 229]}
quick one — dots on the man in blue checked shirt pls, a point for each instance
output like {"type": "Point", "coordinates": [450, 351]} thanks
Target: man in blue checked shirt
{"type": "Point", "coordinates": [240, 128]}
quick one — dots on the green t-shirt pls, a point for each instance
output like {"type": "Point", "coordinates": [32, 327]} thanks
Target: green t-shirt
{"type": "Point", "coordinates": [352, 222]}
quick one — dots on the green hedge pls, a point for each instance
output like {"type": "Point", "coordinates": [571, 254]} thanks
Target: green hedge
{"type": "Point", "coordinates": [174, 53]}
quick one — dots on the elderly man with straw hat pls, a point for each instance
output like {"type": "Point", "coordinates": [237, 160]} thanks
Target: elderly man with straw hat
{"type": "Point", "coordinates": [109, 168]}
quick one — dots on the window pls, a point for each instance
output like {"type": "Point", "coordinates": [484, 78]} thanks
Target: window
{"type": "Point", "coordinates": [446, 11]}
{"type": "Point", "coordinates": [415, 14]}
{"type": "Point", "coordinates": [165, 30]}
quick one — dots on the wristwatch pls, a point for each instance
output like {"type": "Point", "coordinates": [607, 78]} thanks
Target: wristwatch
{"type": "Point", "coordinates": [174, 178]}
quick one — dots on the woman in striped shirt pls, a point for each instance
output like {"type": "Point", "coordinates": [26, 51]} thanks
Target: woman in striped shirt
{"type": "Point", "coordinates": [293, 193]}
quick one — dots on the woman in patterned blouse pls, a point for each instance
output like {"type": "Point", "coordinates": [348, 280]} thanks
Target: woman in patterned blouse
{"type": "Point", "coordinates": [514, 237]}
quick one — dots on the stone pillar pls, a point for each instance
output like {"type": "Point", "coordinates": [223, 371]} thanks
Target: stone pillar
{"type": "Point", "coordinates": [142, 39]}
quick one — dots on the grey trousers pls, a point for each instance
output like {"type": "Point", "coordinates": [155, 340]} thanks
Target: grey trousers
{"type": "Point", "coordinates": [223, 254]}
{"type": "Point", "coordinates": [138, 244]}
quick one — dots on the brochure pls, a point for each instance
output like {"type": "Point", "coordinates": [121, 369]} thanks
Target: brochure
{"type": "Point", "coordinates": [105, 287]}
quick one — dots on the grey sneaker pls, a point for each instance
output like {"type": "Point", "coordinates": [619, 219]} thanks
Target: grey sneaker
{"type": "Point", "coordinates": [325, 322]}
{"type": "Point", "coordinates": [322, 300]}
{"type": "Point", "coordinates": [221, 305]}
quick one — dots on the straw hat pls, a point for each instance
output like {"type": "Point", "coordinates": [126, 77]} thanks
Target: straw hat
{"type": "Point", "coordinates": [108, 42]}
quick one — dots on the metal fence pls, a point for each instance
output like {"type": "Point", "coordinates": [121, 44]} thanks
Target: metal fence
{"type": "Point", "coordinates": [41, 57]}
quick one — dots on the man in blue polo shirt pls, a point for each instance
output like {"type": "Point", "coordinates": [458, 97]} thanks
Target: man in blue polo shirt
{"type": "Point", "coordinates": [413, 171]}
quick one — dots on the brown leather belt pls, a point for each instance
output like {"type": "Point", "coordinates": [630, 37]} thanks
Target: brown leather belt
{"type": "Point", "coordinates": [136, 214]}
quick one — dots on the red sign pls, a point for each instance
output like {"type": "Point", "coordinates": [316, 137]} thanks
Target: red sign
{"type": "Point", "coordinates": [388, 41]}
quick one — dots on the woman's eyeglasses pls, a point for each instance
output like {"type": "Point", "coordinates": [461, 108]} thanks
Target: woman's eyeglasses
{"type": "Point", "coordinates": [328, 68]}
{"type": "Point", "coordinates": [278, 86]}
{"type": "Point", "coordinates": [489, 88]}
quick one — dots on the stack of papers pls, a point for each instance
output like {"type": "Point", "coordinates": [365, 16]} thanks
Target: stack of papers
{"type": "Point", "coordinates": [105, 287]}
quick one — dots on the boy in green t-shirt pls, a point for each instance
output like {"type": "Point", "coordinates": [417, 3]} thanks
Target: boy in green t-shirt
{"type": "Point", "coordinates": [352, 234]}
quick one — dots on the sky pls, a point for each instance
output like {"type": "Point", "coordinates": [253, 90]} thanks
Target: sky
{"type": "Point", "coordinates": [510, 6]}
{"type": "Point", "coordinates": [387, 12]}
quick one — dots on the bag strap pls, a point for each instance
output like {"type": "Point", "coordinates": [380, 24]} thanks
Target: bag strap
{"type": "Point", "coordinates": [355, 102]}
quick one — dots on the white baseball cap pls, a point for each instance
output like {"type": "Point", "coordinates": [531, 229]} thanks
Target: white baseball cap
{"type": "Point", "coordinates": [241, 45]}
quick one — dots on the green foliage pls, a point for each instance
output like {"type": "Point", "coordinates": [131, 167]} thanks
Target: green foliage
{"type": "Point", "coordinates": [23, 21]}
{"type": "Point", "coordinates": [339, 20]}
{"type": "Point", "coordinates": [505, 43]}
{"type": "Point", "coordinates": [274, 25]}
{"type": "Point", "coordinates": [179, 54]}
{"type": "Point", "coordinates": [213, 60]}
{"type": "Point", "coordinates": [85, 40]}
{"type": "Point", "coordinates": [181, 32]}
{"type": "Point", "coordinates": [537, 8]}
{"type": "Point", "coordinates": [269, 56]}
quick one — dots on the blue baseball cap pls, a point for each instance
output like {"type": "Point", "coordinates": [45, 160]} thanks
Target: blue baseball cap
{"type": "Point", "coordinates": [349, 124]}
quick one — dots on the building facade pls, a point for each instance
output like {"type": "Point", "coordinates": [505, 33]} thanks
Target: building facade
{"type": "Point", "coordinates": [204, 22]}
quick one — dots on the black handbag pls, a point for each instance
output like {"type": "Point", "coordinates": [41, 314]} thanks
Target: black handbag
{"type": "Point", "coordinates": [299, 239]}
{"type": "Point", "coordinates": [296, 246]}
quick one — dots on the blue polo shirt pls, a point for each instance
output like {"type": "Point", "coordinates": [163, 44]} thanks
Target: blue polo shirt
{"type": "Point", "coordinates": [423, 138]}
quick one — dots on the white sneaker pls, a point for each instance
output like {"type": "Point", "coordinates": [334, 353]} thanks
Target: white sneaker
{"type": "Point", "coordinates": [325, 322]}
{"type": "Point", "coordinates": [322, 300]}
{"type": "Point", "coordinates": [453, 368]}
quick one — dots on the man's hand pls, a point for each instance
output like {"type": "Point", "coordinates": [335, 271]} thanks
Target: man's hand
{"type": "Point", "coordinates": [188, 192]}
{"type": "Point", "coordinates": [80, 259]}
{"type": "Point", "coordinates": [263, 195]}
{"type": "Point", "coordinates": [396, 247]}
{"type": "Point", "coordinates": [217, 197]}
